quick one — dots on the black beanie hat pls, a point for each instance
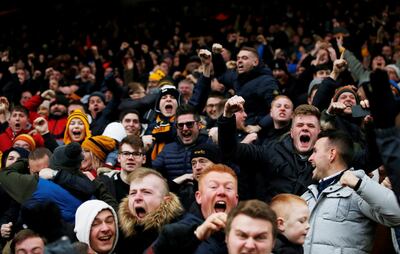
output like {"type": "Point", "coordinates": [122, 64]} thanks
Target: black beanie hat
{"type": "Point", "coordinates": [207, 150]}
{"type": "Point", "coordinates": [167, 89]}
{"type": "Point", "coordinates": [68, 157]}
{"type": "Point", "coordinates": [21, 151]}
{"type": "Point", "coordinates": [60, 99]}
{"type": "Point", "coordinates": [98, 94]}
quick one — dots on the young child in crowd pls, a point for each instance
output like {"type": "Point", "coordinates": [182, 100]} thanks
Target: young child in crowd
{"type": "Point", "coordinates": [292, 218]}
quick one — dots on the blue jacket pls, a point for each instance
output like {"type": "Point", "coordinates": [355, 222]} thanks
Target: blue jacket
{"type": "Point", "coordinates": [179, 237]}
{"type": "Point", "coordinates": [174, 159]}
{"type": "Point", "coordinates": [48, 191]}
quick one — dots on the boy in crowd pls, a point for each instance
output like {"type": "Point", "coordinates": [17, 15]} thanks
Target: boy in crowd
{"type": "Point", "coordinates": [292, 218]}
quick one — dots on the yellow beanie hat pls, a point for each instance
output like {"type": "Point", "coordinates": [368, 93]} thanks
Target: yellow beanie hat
{"type": "Point", "coordinates": [156, 75]}
{"type": "Point", "coordinates": [77, 113]}
{"type": "Point", "coordinates": [100, 146]}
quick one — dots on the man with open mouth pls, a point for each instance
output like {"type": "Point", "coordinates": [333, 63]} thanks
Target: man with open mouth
{"type": "Point", "coordinates": [96, 224]}
{"type": "Point", "coordinates": [202, 229]}
{"type": "Point", "coordinates": [18, 123]}
{"type": "Point", "coordinates": [174, 159]}
{"type": "Point", "coordinates": [146, 210]}
{"type": "Point", "coordinates": [162, 129]}
{"type": "Point", "coordinates": [283, 164]}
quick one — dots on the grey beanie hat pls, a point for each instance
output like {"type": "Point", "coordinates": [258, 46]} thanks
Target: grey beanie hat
{"type": "Point", "coordinates": [67, 157]}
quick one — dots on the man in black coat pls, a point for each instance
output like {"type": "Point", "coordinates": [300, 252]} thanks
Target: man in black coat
{"type": "Point", "coordinates": [201, 230]}
{"type": "Point", "coordinates": [254, 82]}
{"type": "Point", "coordinates": [283, 164]}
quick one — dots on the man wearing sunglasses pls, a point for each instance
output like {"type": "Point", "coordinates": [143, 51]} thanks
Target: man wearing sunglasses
{"type": "Point", "coordinates": [174, 160]}
{"type": "Point", "coordinates": [130, 156]}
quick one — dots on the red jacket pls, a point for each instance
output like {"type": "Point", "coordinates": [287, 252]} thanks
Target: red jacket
{"type": "Point", "coordinates": [7, 138]}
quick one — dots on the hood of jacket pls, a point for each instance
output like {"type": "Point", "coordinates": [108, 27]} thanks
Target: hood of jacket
{"type": "Point", "coordinates": [169, 210]}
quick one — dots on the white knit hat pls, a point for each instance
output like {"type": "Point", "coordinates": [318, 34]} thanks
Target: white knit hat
{"type": "Point", "coordinates": [115, 130]}
{"type": "Point", "coordinates": [395, 68]}
{"type": "Point", "coordinates": [84, 217]}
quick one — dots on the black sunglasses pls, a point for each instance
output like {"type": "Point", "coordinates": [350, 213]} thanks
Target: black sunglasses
{"type": "Point", "coordinates": [189, 125]}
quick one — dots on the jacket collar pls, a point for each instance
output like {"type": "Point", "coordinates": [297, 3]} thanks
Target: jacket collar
{"type": "Point", "coordinates": [168, 211]}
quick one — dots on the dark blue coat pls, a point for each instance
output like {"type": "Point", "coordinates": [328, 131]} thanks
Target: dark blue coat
{"type": "Point", "coordinates": [179, 237]}
{"type": "Point", "coordinates": [174, 159]}
{"type": "Point", "coordinates": [258, 87]}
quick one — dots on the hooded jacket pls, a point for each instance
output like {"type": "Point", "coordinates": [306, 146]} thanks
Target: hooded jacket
{"type": "Point", "coordinates": [84, 217]}
{"type": "Point", "coordinates": [138, 235]}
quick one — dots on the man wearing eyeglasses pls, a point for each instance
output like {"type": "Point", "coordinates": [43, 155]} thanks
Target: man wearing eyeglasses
{"type": "Point", "coordinates": [174, 160]}
{"type": "Point", "coordinates": [130, 156]}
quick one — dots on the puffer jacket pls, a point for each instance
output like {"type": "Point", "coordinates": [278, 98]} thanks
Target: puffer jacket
{"type": "Point", "coordinates": [174, 159]}
{"type": "Point", "coordinates": [343, 220]}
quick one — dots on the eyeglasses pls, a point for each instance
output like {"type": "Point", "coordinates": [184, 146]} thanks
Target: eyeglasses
{"type": "Point", "coordinates": [189, 125]}
{"type": "Point", "coordinates": [128, 154]}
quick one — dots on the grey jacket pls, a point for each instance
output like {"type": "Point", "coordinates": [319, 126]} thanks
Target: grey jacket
{"type": "Point", "coordinates": [357, 70]}
{"type": "Point", "coordinates": [342, 220]}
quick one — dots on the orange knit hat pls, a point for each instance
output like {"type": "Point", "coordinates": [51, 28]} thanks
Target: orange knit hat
{"type": "Point", "coordinates": [28, 139]}
{"type": "Point", "coordinates": [100, 146]}
{"type": "Point", "coordinates": [77, 113]}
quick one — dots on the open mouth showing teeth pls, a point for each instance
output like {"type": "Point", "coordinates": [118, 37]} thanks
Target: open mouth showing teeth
{"type": "Point", "coordinates": [304, 139]}
{"type": "Point", "coordinates": [186, 134]}
{"type": "Point", "coordinates": [140, 212]}
{"type": "Point", "coordinates": [105, 238]}
{"type": "Point", "coordinates": [17, 125]}
{"type": "Point", "coordinates": [220, 206]}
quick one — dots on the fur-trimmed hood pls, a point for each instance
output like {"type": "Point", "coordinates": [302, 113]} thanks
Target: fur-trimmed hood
{"type": "Point", "coordinates": [169, 210]}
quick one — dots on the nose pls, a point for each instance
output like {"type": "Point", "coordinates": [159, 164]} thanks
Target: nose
{"type": "Point", "coordinates": [196, 166]}
{"type": "Point", "coordinates": [138, 197]}
{"type": "Point", "coordinates": [221, 190]}
{"type": "Point", "coordinates": [250, 244]}
{"type": "Point", "coordinates": [311, 157]}
{"type": "Point", "coordinates": [308, 225]}
{"type": "Point", "coordinates": [104, 227]}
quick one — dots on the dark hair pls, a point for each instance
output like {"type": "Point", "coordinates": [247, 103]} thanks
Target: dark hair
{"type": "Point", "coordinates": [39, 153]}
{"type": "Point", "coordinates": [22, 236]}
{"type": "Point", "coordinates": [20, 108]}
{"type": "Point", "coordinates": [132, 140]}
{"type": "Point", "coordinates": [325, 66]}
{"type": "Point", "coordinates": [255, 209]}
{"type": "Point", "coordinates": [128, 111]}
{"type": "Point", "coordinates": [342, 141]}
{"type": "Point", "coordinates": [217, 94]}
{"type": "Point", "coordinates": [186, 109]}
